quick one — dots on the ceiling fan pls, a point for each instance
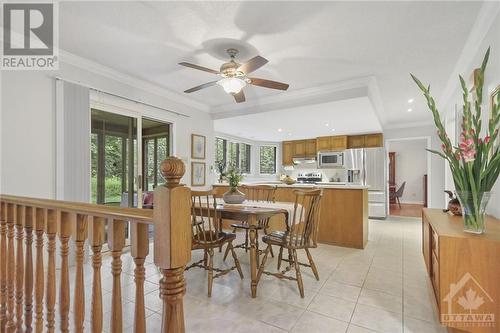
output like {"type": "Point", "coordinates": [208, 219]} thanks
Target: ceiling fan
{"type": "Point", "coordinates": [234, 76]}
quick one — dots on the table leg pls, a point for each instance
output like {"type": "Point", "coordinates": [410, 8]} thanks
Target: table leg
{"type": "Point", "coordinates": [253, 254]}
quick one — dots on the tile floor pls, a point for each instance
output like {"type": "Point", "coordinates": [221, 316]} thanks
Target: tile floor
{"type": "Point", "coordinates": [383, 288]}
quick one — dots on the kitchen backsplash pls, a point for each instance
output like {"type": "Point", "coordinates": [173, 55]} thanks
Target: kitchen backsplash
{"type": "Point", "coordinates": [327, 174]}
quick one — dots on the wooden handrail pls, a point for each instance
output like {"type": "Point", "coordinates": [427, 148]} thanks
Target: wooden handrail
{"type": "Point", "coordinates": [116, 213]}
{"type": "Point", "coordinates": [31, 226]}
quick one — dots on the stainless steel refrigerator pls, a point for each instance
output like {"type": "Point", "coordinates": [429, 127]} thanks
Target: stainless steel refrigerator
{"type": "Point", "coordinates": [369, 165]}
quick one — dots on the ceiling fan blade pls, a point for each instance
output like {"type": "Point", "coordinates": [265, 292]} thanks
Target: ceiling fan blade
{"type": "Point", "coordinates": [253, 64]}
{"type": "Point", "coordinates": [201, 86]}
{"type": "Point", "coordinates": [268, 83]}
{"type": "Point", "coordinates": [239, 97]}
{"type": "Point", "coordinates": [201, 68]}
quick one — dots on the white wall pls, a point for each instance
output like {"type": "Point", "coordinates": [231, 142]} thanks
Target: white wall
{"type": "Point", "coordinates": [411, 166]}
{"type": "Point", "coordinates": [436, 196]}
{"type": "Point", "coordinates": [28, 126]}
{"type": "Point", "coordinates": [254, 157]}
{"type": "Point", "coordinates": [492, 80]}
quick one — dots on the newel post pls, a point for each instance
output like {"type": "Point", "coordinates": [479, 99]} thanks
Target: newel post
{"type": "Point", "coordinates": [172, 242]}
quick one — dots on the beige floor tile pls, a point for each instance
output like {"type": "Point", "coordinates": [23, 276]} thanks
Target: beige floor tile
{"type": "Point", "coordinates": [340, 290]}
{"type": "Point", "coordinates": [412, 325]}
{"type": "Point", "coordinates": [381, 300]}
{"type": "Point", "coordinates": [377, 319]}
{"type": "Point", "coordinates": [332, 307]}
{"type": "Point", "coordinates": [311, 322]}
{"type": "Point", "coordinates": [358, 329]}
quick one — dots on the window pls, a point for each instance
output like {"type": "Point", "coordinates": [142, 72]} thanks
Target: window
{"type": "Point", "coordinates": [267, 163]}
{"type": "Point", "coordinates": [232, 153]}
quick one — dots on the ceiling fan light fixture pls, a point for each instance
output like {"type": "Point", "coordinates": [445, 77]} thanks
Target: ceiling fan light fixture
{"type": "Point", "coordinates": [232, 85]}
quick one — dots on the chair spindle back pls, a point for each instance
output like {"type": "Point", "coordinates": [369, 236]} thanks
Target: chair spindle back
{"type": "Point", "coordinates": [204, 217]}
{"type": "Point", "coordinates": [259, 192]}
{"type": "Point", "coordinates": [304, 222]}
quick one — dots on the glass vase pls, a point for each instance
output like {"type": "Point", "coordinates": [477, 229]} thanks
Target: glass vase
{"type": "Point", "coordinates": [473, 210]}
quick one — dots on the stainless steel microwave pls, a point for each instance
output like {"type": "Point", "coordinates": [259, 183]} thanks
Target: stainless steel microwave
{"type": "Point", "coordinates": [333, 159]}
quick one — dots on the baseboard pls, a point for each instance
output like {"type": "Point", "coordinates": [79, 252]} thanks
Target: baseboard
{"type": "Point", "coordinates": [412, 202]}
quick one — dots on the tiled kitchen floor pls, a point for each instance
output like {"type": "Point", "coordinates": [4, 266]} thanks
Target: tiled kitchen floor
{"type": "Point", "coordinates": [383, 288]}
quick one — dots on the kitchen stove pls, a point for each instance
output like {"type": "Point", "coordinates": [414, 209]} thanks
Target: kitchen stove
{"type": "Point", "coordinates": [309, 178]}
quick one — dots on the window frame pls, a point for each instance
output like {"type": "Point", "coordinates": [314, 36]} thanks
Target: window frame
{"type": "Point", "coordinates": [226, 142]}
{"type": "Point", "coordinates": [275, 159]}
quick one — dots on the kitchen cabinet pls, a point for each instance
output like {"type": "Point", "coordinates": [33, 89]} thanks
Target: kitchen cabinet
{"type": "Point", "coordinates": [356, 141]}
{"type": "Point", "coordinates": [299, 148]}
{"type": "Point", "coordinates": [332, 143]}
{"type": "Point", "coordinates": [288, 151]}
{"type": "Point", "coordinates": [374, 140]}
{"type": "Point", "coordinates": [311, 150]}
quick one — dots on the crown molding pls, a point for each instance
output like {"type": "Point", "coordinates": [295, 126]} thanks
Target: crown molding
{"type": "Point", "coordinates": [413, 124]}
{"type": "Point", "coordinates": [484, 20]}
{"type": "Point", "coordinates": [99, 69]}
{"type": "Point", "coordinates": [347, 89]}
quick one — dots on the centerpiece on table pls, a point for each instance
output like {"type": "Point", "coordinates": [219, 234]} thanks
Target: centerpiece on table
{"type": "Point", "coordinates": [475, 162]}
{"type": "Point", "coordinates": [233, 196]}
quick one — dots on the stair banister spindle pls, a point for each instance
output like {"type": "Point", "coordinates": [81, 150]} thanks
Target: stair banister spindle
{"type": "Point", "coordinates": [28, 263]}
{"type": "Point", "coordinates": [116, 242]}
{"type": "Point", "coordinates": [50, 298]}
{"type": "Point", "coordinates": [20, 214]}
{"type": "Point", "coordinates": [79, 235]}
{"type": "Point", "coordinates": [40, 216]}
{"type": "Point", "coordinates": [66, 221]}
{"type": "Point", "coordinates": [11, 267]}
{"type": "Point", "coordinates": [140, 250]}
{"type": "Point", "coordinates": [172, 242]}
{"type": "Point", "coordinates": [96, 239]}
{"type": "Point", "coordinates": [3, 266]}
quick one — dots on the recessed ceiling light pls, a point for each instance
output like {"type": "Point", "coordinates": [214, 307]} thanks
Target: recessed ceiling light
{"type": "Point", "coordinates": [289, 134]}
{"type": "Point", "coordinates": [410, 110]}
{"type": "Point", "coordinates": [327, 124]}
{"type": "Point", "coordinates": [280, 130]}
{"type": "Point", "coordinates": [333, 129]}
{"type": "Point", "coordinates": [410, 100]}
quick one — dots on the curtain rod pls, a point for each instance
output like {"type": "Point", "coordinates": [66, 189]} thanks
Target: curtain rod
{"type": "Point", "coordinates": [120, 96]}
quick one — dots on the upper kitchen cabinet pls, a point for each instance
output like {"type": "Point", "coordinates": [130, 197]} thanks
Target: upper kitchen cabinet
{"type": "Point", "coordinates": [365, 141]}
{"type": "Point", "coordinates": [332, 143]}
{"type": "Point", "coordinates": [299, 148]}
{"type": "Point", "coordinates": [288, 151]}
{"type": "Point", "coordinates": [374, 140]}
{"type": "Point", "coordinates": [356, 141]}
{"type": "Point", "coordinates": [311, 150]}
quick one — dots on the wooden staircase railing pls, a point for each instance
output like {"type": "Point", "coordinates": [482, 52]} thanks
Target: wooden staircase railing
{"type": "Point", "coordinates": [30, 230]}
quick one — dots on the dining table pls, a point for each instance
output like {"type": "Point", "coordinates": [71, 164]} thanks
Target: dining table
{"type": "Point", "coordinates": [252, 212]}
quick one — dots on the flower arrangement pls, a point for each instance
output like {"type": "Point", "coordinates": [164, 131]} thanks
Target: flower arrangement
{"type": "Point", "coordinates": [475, 162]}
{"type": "Point", "coordinates": [234, 177]}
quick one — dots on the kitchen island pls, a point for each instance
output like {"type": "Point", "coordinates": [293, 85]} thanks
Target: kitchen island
{"type": "Point", "coordinates": [343, 214]}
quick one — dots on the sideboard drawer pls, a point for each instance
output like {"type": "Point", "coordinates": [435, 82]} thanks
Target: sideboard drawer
{"type": "Point", "coordinates": [435, 276]}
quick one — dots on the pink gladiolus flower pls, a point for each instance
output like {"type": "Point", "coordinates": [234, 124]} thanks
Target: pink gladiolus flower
{"type": "Point", "coordinates": [487, 139]}
{"type": "Point", "coordinates": [480, 141]}
{"type": "Point", "coordinates": [469, 155]}
{"type": "Point", "coordinates": [443, 147]}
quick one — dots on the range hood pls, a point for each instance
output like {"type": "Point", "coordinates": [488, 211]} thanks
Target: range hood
{"type": "Point", "coordinates": [304, 160]}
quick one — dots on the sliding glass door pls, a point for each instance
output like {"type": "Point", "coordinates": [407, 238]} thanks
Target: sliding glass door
{"type": "Point", "coordinates": [123, 149]}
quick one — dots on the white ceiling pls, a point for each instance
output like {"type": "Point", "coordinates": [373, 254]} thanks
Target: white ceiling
{"type": "Point", "coordinates": [308, 45]}
{"type": "Point", "coordinates": [349, 116]}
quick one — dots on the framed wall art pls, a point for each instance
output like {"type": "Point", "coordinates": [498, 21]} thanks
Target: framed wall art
{"type": "Point", "coordinates": [198, 146]}
{"type": "Point", "coordinates": [197, 173]}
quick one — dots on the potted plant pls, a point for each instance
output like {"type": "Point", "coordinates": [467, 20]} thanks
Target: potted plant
{"type": "Point", "coordinates": [221, 167]}
{"type": "Point", "coordinates": [233, 196]}
{"type": "Point", "coordinates": [475, 162]}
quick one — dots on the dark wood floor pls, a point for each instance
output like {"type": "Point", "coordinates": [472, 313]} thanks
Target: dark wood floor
{"type": "Point", "coordinates": [409, 210]}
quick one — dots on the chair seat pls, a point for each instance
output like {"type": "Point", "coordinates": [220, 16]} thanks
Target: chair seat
{"type": "Point", "coordinates": [282, 238]}
{"type": "Point", "coordinates": [209, 239]}
{"type": "Point", "coordinates": [244, 225]}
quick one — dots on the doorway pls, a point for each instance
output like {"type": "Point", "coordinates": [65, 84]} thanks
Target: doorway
{"type": "Point", "coordinates": [123, 149]}
{"type": "Point", "coordinates": [408, 174]}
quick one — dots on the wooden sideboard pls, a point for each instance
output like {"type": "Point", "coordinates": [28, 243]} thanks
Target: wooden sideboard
{"type": "Point", "coordinates": [464, 270]}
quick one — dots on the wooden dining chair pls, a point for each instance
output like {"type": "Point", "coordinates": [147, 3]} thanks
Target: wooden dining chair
{"type": "Point", "coordinates": [207, 234]}
{"type": "Point", "coordinates": [263, 193]}
{"type": "Point", "coordinates": [302, 234]}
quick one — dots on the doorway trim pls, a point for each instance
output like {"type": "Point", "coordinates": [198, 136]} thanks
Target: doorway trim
{"type": "Point", "coordinates": [428, 162]}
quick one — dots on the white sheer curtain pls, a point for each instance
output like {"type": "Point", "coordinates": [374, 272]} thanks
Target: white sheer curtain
{"type": "Point", "coordinates": [72, 142]}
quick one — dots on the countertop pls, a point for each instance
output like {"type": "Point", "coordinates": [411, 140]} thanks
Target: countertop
{"type": "Point", "coordinates": [311, 186]}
